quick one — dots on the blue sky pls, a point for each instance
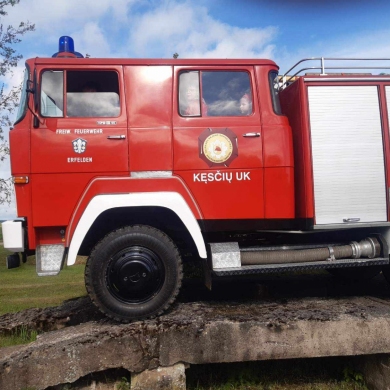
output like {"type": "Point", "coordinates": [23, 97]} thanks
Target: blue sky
{"type": "Point", "coordinates": [282, 30]}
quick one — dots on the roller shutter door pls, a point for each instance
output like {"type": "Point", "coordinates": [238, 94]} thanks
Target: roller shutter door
{"type": "Point", "coordinates": [347, 151]}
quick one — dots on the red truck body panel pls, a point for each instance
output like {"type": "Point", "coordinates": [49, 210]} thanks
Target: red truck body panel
{"type": "Point", "coordinates": [267, 182]}
{"type": "Point", "coordinates": [256, 186]}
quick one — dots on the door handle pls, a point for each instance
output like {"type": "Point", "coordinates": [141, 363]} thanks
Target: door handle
{"type": "Point", "coordinates": [251, 135]}
{"type": "Point", "coordinates": [116, 136]}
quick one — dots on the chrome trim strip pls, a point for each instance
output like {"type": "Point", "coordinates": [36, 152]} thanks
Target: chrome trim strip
{"type": "Point", "coordinates": [150, 174]}
{"type": "Point", "coordinates": [351, 225]}
{"type": "Point", "coordinates": [122, 136]}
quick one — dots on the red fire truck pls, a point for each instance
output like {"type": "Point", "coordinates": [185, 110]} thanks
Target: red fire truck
{"type": "Point", "coordinates": [143, 164]}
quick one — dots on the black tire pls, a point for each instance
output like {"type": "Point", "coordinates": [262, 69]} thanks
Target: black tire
{"type": "Point", "coordinates": [355, 273]}
{"type": "Point", "coordinates": [134, 273]}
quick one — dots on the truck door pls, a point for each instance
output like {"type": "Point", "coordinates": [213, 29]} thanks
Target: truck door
{"type": "Point", "coordinates": [218, 141]}
{"type": "Point", "coordinates": [82, 122]}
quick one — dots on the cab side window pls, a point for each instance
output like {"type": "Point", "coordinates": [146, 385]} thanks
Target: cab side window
{"type": "Point", "coordinates": [87, 94]}
{"type": "Point", "coordinates": [215, 93]}
{"type": "Point", "coordinates": [92, 94]}
{"type": "Point", "coordinates": [189, 94]}
{"type": "Point", "coordinates": [52, 94]}
{"type": "Point", "coordinates": [226, 93]}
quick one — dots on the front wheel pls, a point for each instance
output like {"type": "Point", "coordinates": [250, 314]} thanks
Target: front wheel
{"type": "Point", "coordinates": [135, 272]}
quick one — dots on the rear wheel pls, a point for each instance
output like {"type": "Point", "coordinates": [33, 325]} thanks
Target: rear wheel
{"type": "Point", "coordinates": [134, 273]}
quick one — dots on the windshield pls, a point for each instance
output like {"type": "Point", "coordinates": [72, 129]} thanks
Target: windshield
{"type": "Point", "coordinates": [23, 98]}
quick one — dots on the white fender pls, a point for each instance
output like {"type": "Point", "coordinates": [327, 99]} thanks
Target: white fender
{"type": "Point", "coordinates": [170, 200]}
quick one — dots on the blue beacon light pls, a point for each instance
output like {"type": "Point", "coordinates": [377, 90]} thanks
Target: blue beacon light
{"type": "Point", "coordinates": [66, 48]}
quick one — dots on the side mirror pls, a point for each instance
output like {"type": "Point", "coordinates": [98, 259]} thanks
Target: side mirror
{"type": "Point", "coordinates": [35, 122]}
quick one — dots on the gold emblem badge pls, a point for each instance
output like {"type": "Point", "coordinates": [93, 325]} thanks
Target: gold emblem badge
{"type": "Point", "coordinates": [217, 148]}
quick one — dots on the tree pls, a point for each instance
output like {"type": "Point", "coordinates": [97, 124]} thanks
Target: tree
{"type": "Point", "coordinates": [9, 58]}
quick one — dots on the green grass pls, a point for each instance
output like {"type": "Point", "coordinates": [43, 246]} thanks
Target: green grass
{"type": "Point", "coordinates": [297, 374]}
{"type": "Point", "coordinates": [19, 336]}
{"type": "Point", "coordinates": [21, 288]}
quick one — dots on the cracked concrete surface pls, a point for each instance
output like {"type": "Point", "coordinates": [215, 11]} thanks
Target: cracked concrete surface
{"type": "Point", "coordinates": [279, 325]}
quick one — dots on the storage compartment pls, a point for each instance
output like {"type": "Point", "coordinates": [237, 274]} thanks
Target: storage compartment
{"type": "Point", "coordinates": [347, 154]}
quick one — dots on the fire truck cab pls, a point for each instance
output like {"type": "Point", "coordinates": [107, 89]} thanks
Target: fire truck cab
{"type": "Point", "coordinates": [143, 164]}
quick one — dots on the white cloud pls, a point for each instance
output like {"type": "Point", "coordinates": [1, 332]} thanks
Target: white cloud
{"type": "Point", "coordinates": [53, 19]}
{"type": "Point", "coordinates": [137, 28]}
{"type": "Point", "coordinates": [192, 32]}
{"type": "Point", "coordinates": [92, 40]}
{"type": "Point", "coordinates": [51, 15]}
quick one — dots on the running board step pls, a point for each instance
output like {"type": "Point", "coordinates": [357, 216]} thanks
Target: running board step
{"type": "Point", "coordinates": [287, 267]}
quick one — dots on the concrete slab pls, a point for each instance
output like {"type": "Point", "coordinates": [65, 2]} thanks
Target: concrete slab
{"type": "Point", "coordinates": [161, 378]}
{"type": "Point", "coordinates": [267, 317]}
{"type": "Point", "coordinates": [203, 332]}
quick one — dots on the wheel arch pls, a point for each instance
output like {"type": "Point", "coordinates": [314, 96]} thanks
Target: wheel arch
{"type": "Point", "coordinates": [166, 211]}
